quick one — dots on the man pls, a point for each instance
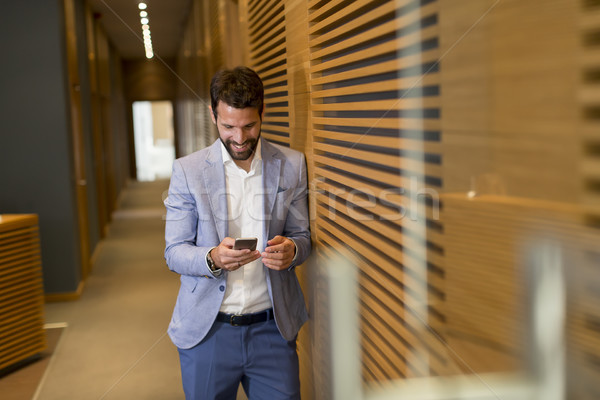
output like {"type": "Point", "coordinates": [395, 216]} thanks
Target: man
{"type": "Point", "coordinates": [238, 311]}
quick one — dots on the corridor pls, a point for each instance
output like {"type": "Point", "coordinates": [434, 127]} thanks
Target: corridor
{"type": "Point", "coordinates": [452, 152]}
{"type": "Point", "coordinates": [115, 344]}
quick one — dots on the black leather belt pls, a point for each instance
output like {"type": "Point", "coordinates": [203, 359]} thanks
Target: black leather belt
{"type": "Point", "coordinates": [245, 319]}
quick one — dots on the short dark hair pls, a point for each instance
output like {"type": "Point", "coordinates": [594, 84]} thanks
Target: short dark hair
{"type": "Point", "coordinates": [240, 87]}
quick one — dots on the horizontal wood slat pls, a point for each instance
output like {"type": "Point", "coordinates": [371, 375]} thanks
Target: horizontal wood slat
{"type": "Point", "coordinates": [265, 11]}
{"type": "Point", "coordinates": [404, 84]}
{"type": "Point", "coordinates": [591, 131]}
{"type": "Point", "coordinates": [373, 33]}
{"type": "Point", "coordinates": [391, 195]}
{"type": "Point", "coordinates": [386, 123]}
{"type": "Point", "coordinates": [274, 74]}
{"type": "Point", "coordinates": [353, 25]}
{"type": "Point", "coordinates": [270, 44]}
{"type": "Point", "coordinates": [382, 305]}
{"type": "Point", "coordinates": [268, 63]}
{"type": "Point", "coordinates": [12, 235]}
{"type": "Point", "coordinates": [382, 177]}
{"type": "Point", "coordinates": [378, 50]}
{"type": "Point", "coordinates": [332, 21]}
{"type": "Point", "coordinates": [408, 270]}
{"type": "Point", "coordinates": [590, 20]}
{"type": "Point", "coordinates": [396, 239]}
{"type": "Point", "coordinates": [381, 141]}
{"type": "Point", "coordinates": [19, 247]}
{"type": "Point", "coordinates": [391, 216]}
{"type": "Point", "coordinates": [275, 120]}
{"type": "Point", "coordinates": [590, 58]}
{"type": "Point", "coordinates": [591, 167]}
{"type": "Point", "coordinates": [271, 54]}
{"type": "Point", "coordinates": [329, 6]}
{"type": "Point", "coordinates": [277, 138]}
{"type": "Point", "coordinates": [590, 94]}
{"type": "Point", "coordinates": [20, 262]}
{"type": "Point", "coordinates": [406, 103]}
{"type": "Point", "coordinates": [414, 166]}
{"type": "Point", "coordinates": [380, 257]}
{"type": "Point", "coordinates": [428, 57]}
{"type": "Point", "coordinates": [259, 30]}
{"type": "Point", "coordinates": [270, 94]}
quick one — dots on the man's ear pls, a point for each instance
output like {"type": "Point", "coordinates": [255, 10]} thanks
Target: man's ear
{"type": "Point", "coordinates": [262, 113]}
{"type": "Point", "coordinates": [212, 115]}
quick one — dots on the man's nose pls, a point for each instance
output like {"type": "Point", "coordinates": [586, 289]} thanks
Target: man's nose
{"type": "Point", "coordinates": [238, 136]}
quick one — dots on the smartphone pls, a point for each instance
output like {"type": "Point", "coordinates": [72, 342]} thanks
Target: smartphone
{"type": "Point", "coordinates": [245, 243]}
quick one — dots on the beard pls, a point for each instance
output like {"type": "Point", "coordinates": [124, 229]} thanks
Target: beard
{"type": "Point", "coordinates": [243, 155]}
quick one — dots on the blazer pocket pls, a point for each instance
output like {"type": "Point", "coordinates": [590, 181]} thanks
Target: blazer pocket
{"type": "Point", "coordinates": [189, 283]}
{"type": "Point", "coordinates": [284, 194]}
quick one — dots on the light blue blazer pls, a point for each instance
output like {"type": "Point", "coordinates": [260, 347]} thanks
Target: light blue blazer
{"type": "Point", "coordinates": [196, 221]}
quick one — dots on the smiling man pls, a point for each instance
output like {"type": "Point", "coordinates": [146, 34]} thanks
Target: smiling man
{"type": "Point", "coordinates": [238, 311]}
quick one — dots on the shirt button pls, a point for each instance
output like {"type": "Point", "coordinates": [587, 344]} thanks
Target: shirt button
{"type": "Point", "coordinates": [221, 288]}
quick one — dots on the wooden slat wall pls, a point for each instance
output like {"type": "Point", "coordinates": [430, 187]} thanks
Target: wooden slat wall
{"type": "Point", "coordinates": [21, 290]}
{"type": "Point", "coordinates": [376, 150]}
{"type": "Point", "coordinates": [268, 57]}
{"type": "Point", "coordinates": [584, 326]}
{"type": "Point", "coordinates": [583, 323]}
{"type": "Point", "coordinates": [489, 241]}
{"type": "Point", "coordinates": [590, 107]}
{"type": "Point", "coordinates": [386, 127]}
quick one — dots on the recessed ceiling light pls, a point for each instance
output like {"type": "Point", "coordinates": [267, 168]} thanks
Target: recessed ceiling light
{"type": "Point", "coordinates": [144, 19]}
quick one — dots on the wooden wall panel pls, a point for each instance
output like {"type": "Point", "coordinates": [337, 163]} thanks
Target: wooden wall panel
{"type": "Point", "coordinates": [509, 73]}
{"type": "Point", "coordinates": [488, 241]}
{"type": "Point", "coordinates": [584, 327]}
{"type": "Point", "coordinates": [376, 133]}
{"type": "Point", "coordinates": [491, 243]}
{"type": "Point", "coordinates": [402, 108]}
{"type": "Point", "coordinates": [511, 115]}
{"type": "Point", "coordinates": [589, 98]}
{"type": "Point", "coordinates": [267, 46]}
{"type": "Point", "coordinates": [21, 290]}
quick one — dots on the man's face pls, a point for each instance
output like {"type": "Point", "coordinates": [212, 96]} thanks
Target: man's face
{"type": "Point", "coordinates": [239, 129]}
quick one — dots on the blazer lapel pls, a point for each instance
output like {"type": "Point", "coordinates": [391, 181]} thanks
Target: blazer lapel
{"type": "Point", "coordinates": [271, 172]}
{"type": "Point", "coordinates": [214, 183]}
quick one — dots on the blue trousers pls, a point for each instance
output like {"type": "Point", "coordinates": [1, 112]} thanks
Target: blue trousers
{"type": "Point", "coordinates": [256, 355]}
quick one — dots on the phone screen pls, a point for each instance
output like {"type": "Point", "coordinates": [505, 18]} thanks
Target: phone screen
{"type": "Point", "coordinates": [245, 243]}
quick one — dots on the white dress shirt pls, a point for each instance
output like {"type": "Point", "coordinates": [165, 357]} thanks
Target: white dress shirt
{"type": "Point", "coordinates": [247, 290]}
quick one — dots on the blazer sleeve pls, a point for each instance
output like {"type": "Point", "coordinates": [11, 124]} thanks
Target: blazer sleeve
{"type": "Point", "coordinates": [297, 224]}
{"type": "Point", "coordinates": [181, 229]}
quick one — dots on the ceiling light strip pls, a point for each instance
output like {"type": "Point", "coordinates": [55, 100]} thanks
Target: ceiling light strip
{"type": "Point", "coordinates": [145, 21]}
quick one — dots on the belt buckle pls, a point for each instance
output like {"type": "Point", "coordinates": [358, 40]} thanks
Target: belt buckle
{"type": "Point", "coordinates": [232, 320]}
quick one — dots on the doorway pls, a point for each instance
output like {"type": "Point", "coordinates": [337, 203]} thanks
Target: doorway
{"type": "Point", "coordinates": [154, 133]}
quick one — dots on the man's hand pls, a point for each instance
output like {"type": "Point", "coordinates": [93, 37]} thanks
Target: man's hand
{"type": "Point", "coordinates": [225, 257]}
{"type": "Point", "coordinates": [279, 253]}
